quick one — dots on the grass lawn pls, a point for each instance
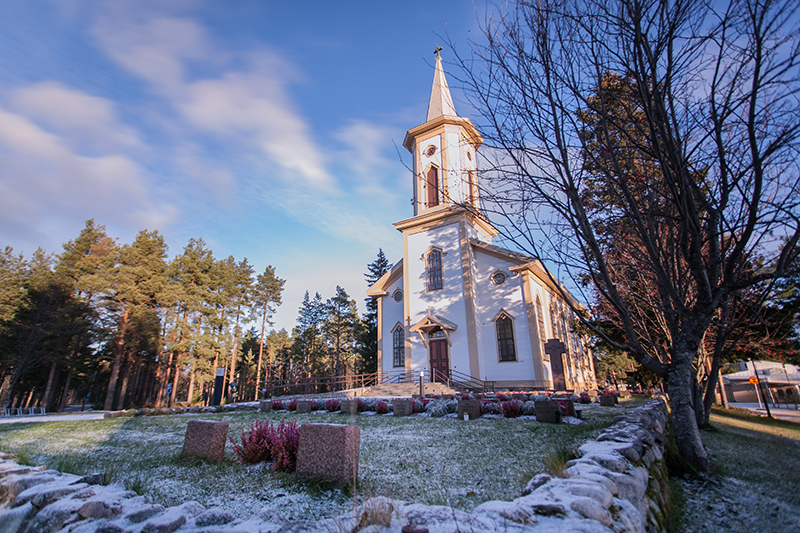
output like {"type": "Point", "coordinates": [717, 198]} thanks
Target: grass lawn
{"type": "Point", "coordinates": [427, 460]}
{"type": "Point", "coordinates": [760, 451]}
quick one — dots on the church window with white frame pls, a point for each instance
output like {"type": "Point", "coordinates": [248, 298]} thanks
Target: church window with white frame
{"type": "Point", "coordinates": [398, 346]}
{"type": "Point", "coordinates": [433, 268]}
{"type": "Point", "coordinates": [432, 187]}
{"type": "Point", "coordinates": [504, 326]}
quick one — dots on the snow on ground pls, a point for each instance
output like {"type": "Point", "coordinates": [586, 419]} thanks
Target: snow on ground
{"type": "Point", "coordinates": [418, 458]}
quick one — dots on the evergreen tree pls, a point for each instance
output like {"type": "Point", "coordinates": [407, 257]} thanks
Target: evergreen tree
{"type": "Point", "coordinates": [341, 327]}
{"type": "Point", "coordinates": [368, 338]}
{"type": "Point", "coordinates": [266, 298]}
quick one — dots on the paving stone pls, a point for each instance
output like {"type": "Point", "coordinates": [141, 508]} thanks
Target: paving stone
{"type": "Point", "coordinates": [205, 439]}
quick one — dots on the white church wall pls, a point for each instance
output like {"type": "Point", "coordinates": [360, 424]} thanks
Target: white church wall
{"type": "Point", "coordinates": [392, 315]}
{"type": "Point", "coordinates": [491, 299]}
{"type": "Point", "coordinates": [454, 151]}
{"type": "Point", "coordinates": [447, 303]}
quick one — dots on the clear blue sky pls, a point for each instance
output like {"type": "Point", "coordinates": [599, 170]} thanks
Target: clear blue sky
{"type": "Point", "coordinates": [272, 130]}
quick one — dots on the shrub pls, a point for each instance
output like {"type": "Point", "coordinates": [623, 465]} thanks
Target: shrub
{"type": "Point", "coordinates": [491, 408]}
{"type": "Point", "coordinates": [437, 408]}
{"type": "Point", "coordinates": [256, 445]}
{"type": "Point", "coordinates": [502, 397]}
{"type": "Point", "coordinates": [511, 408]}
{"type": "Point", "coordinates": [284, 446]}
{"type": "Point", "coordinates": [369, 404]}
{"type": "Point", "coordinates": [452, 406]}
{"type": "Point", "coordinates": [417, 406]}
{"type": "Point", "coordinates": [608, 392]}
{"type": "Point", "coordinates": [381, 407]}
{"type": "Point", "coordinates": [332, 405]}
{"type": "Point", "coordinates": [361, 405]}
{"type": "Point", "coordinates": [584, 398]}
{"type": "Point", "coordinates": [277, 405]}
{"type": "Point", "coordinates": [529, 408]}
{"type": "Point", "coordinates": [292, 406]}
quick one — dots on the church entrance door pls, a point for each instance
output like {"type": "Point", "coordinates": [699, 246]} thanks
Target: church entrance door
{"type": "Point", "coordinates": [440, 365]}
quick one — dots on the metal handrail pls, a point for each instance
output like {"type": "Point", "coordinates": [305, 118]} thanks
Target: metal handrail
{"type": "Point", "coordinates": [312, 384]}
{"type": "Point", "coordinates": [465, 381]}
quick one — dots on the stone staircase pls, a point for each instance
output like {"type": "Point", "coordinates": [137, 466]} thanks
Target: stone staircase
{"type": "Point", "coordinates": [406, 390]}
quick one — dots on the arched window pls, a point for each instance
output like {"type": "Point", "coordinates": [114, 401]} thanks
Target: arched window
{"type": "Point", "coordinates": [433, 266]}
{"type": "Point", "coordinates": [398, 346]}
{"type": "Point", "coordinates": [432, 187]}
{"type": "Point", "coordinates": [505, 338]}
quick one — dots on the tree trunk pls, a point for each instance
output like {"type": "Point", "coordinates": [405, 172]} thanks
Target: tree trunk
{"type": "Point", "coordinates": [48, 391]}
{"type": "Point", "coordinates": [66, 391]}
{"type": "Point", "coordinates": [684, 419]}
{"type": "Point", "coordinates": [261, 349]}
{"type": "Point", "coordinates": [174, 390]}
{"type": "Point", "coordinates": [118, 352]}
{"type": "Point", "coordinates": [191, 386]}
{"type": "Point", "coordinates": [711, 387]}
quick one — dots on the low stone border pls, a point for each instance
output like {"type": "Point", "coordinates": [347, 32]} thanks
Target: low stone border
{"type": "Point", "coordinates": [618, 483]}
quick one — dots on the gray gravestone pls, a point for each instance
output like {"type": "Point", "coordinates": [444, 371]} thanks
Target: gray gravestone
{"type": "Point", "coordinates": [306, 406]}
{"type": "Point", "coordinates": [349, 407]}
{"type": "Point", "coordinates": [471, 408]}
{"type": "Point", "coordinates": [403, 407]}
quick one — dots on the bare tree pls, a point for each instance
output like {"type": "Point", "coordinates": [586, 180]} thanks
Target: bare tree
{"type": "Point", "coordinates": [693, 169]}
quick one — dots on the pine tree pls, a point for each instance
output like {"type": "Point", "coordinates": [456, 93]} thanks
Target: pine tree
{"type": "Point", "coordinates": [341, 326]}
{"type": "Point", "coordinates": [266, 298]}
{"type": "Point", "coordinates": [369, 333]}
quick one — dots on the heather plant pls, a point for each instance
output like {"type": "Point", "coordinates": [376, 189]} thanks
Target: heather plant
{"type": "Point", "coordinates": [361, 405]}
{"type": "Point", "coordinates": [292, 406]}
{"type": "Point", "coordinates": [381, 407]}
{"type": "Point", "coordinates": [491, 408]}
{"type": "Point", "coordinates": [284, 446]}
{"type": "Point", "coordinates": [511, 408]}
{"type": "Point", "coordinates": [332, 405]}
{"type": "Point", "coordinates": [584, 398]}
{"type": "Point", "coordinates": [256, 444]}
{"type": "Point", "coordinates": [277, 405]}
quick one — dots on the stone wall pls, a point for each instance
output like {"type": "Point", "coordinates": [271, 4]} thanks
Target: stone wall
{"type": "Point", "coordinates": [617, 483]}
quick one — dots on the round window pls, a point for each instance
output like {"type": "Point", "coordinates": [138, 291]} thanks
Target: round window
{"type": "Point", "coordinates": [398, 296]}
{"type": "Point", "coordinates": [498, 278]}
{"type": "Point", "coordinates": [430, 151]}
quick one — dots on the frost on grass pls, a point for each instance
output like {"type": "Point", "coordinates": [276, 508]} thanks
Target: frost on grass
{"type": "Point", "coordinates": [433, 460]}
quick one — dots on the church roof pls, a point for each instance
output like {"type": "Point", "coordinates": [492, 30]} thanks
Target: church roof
{"type": "Point", "coordinates": [441, 103]}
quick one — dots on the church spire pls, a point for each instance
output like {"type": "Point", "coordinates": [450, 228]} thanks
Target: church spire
{"type": "Point", "coordinates": [441, 103]}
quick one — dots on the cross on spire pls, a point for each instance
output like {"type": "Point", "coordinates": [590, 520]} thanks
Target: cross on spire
{"type": "Point", "coordinates": [438, 49]}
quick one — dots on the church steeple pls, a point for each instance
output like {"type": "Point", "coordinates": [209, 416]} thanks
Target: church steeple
{"type": "Point", "coordinates": [444, 153]}
{"type": "Point", "coordinates": [441, 103]}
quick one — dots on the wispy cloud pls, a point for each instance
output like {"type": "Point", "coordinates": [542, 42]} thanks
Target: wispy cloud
{"type": "Point", "coordinates": [242, 101]}
{"type": "Point", "coordinates": [45, 182]}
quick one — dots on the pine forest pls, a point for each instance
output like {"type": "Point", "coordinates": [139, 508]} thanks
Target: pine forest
{"type": "Point", "coordinates": [118, 326]}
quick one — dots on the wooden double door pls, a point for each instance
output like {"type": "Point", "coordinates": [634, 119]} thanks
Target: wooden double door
{"type": "Point", "coordinates": [439, 360]}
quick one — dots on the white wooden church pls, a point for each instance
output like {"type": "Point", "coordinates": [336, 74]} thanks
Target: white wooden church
{"type": "Point", "coordinates": [456, 305]}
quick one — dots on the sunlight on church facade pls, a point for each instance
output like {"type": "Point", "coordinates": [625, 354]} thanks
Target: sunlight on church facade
{"type": "Point", "coordinates": [456, 305]}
